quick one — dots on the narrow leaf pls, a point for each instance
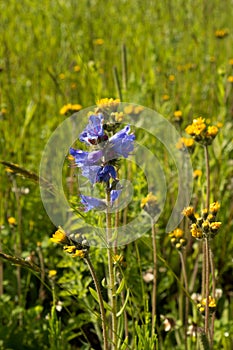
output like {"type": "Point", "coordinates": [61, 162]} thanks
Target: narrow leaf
{"type": "Point", "coordinates": [124, 305]}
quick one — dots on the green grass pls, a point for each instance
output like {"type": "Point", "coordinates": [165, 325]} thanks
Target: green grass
{"type": "Point", "coordinates": [41, 43]}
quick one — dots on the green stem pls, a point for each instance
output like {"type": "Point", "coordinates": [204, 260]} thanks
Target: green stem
{"type": "Point", "coordinates": [111, 272]}
{"type": "Point", "coordinates": [101, 303]}
{"type": "Point", "coordinates": [154, 290]}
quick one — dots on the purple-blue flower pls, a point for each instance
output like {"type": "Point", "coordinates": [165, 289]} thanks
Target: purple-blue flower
{"type": "Point", "coordinates": [94, 132]}
{"type": "Point", "coordinates": [83, 158]}
{"type": "Point", "coordinates": [120, 144]}
{"type": "Point", "coordinates": [105, 173]}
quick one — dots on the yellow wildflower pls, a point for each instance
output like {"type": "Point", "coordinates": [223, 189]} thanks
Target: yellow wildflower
{"type": "Point", "coordinates": [70, 107]}
{"type": "Point", "coordinates": [212, 131]}
{"type": "Point", "coordinates": [117, 258]}
{"type": "Point", "coordinates": [69, 249]}
{"type": "Point", "coordinates": [3, 111]}
{"type": "Point", "coordinates": [52, 273]}
{"type": "Point", "coordinates": [214, 207]}
{"type": "Point", "coordinates": [221, 33]}
{"type": "Point", "coordinates": [73, 86]}
{"type": "Point", "coordinates": [128, 109]}
{"type": "Point", "coordinates": [150, 198]}
{"type": "Point", "coordinates": [78, 253]}
{"type": "Point", "coordinates": [185, 143]}
{"type": "Point", "coordinates": [11, 220]}
{"type": "Point", "coordinates": [171, 77]}
{"type": "Point", "coordinates": [189, 211]}
{"type": "Point", "coordinates": [196, 231]}
{"type": "Point", "coordinates": [178, 114]}
{"type": "Point", "coordinates": [62, 76]}
{"type": "Point", "coordinates": [119, 116]}
{"type": "Point", "coordinates": [108, 102]}
{"type": "Point", "coordinates": [165, 97]}
{"type": "Point", "coordinates": [59, 236]}
{"type": "Point", "coordinates": [177, 233]}
{"type": "Point", "coordinates": [231, 61]}
{"type": "Point", "coordinates": [98, 41]}
{"type": "Point", "coordinates": [150, 204]}
{"type": "Point", "coordinates": [77, 68]}
{"type": "Point", "coordinates": [133, 110]}
{"type": "Point", "coordinates": [76, 107]}
{"type": "Point", "coordinates": [197, 173]}
{"type": "Point", "coordinates": [215, 226]}
{"type": "Point", "coordinates": [196, 127]}
{"type": "Point", "coordinates": [230, 79]}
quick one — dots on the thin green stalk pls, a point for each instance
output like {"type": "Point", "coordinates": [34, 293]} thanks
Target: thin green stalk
{"type": "Point", "coordinates": [111, 273]}
{"type": "Point", "coordinates": [186, 299]}
{"type": "Point", "coordinates": [154, 290]}
{"type": "Point", "coordinates": [101, 303]}
{"type": "Point", "coordinates": [124, 67]}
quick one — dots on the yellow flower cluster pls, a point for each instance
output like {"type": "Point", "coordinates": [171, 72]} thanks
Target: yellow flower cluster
{"type": "Point", "coordinates": [186, 67]}
{"type": "Point", "coordinates": [221, 33]}
{"type": "Point", "coordinates": [108, 103]}
{"type": "Point", "coordinates": [205, 225]}
{"type": "Point", "coordinates": [202, 304]}
{"type": "Point", "coordinates": [200, 132]}
{"type": "Point", "coordinates": [177, 238]}
{"type": "Point", "coordinates": [70, 108]}
{"type": "Point", "coordinates": [74, 244]}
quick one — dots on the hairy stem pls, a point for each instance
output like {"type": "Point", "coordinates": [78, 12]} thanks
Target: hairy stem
{"type": "Point", "coordinates": [101, 303]}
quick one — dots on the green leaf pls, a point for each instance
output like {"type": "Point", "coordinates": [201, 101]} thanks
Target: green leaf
{"type": "Point", "coordinates": [121, 286]}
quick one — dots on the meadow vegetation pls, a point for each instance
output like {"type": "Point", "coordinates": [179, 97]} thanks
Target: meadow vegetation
{"type": "Point", "coordinates": [175, 57]}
